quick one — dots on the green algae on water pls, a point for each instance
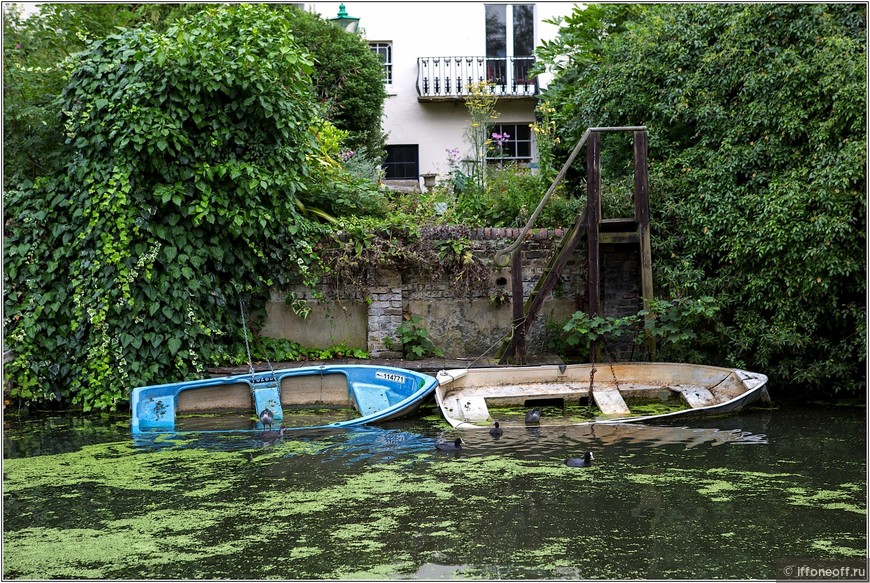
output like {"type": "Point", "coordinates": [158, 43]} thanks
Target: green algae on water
{"type": "Point", "coordinates": [848, 498]}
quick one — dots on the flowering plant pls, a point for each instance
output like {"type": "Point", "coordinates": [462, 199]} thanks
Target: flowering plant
{"type": "Point", "coordinates": [500, 139]}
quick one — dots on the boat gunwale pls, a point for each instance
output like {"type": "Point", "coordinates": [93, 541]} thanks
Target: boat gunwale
{"type": "Point", "coordinates": [401, 408]}
{"type": "Point", "coordinates": [725, 406]}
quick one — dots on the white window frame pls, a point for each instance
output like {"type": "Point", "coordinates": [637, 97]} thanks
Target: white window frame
{"type": "Point", "coordinates": [376, 47]}
{"type": "Point", "coordinates": [513, 130]}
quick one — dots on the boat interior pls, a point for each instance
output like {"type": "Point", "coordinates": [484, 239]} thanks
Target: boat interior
{"type": "Point", "coordinates": [482, 400]}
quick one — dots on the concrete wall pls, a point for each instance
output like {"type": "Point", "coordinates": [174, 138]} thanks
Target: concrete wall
{"type": "Point", "coordinates": [462, 324]}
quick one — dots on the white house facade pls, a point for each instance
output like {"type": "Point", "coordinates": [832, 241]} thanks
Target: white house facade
{"type": "Point", "coordinates": [432, 52]}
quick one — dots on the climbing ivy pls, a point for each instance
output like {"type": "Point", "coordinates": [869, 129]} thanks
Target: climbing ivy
{"type": "Point", "coordinates": [191, 179]}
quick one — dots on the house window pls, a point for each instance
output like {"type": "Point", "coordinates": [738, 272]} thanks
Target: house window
{"type": "Point", "coordinates": [510, 42]}
{"type": "Point", "coordinates": [402, 162]}
{"type": "Point", "coordinates": [512, 143]}
{"type": "Point", "coordinates": [384, 50]}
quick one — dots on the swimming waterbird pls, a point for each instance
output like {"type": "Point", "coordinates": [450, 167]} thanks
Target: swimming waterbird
{"type": "Point", "coordinates": [455, 446]}
{"type": "Point", "coordinates": [584, 462]}
{"type": "Point", "coordinates": [271, 435]}
{"type": "Point", "coordinates": [533, 416]}
{"type": "Point", "coordinates": [496, 431]}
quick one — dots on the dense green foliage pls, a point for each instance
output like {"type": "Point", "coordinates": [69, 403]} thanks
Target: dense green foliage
{"type": "Point", "coordinates": [192, 175]}
{"type": "Point", "coordinates": [34, 50]}
{"type": "Point", "coordinates": [756, 114]}
{"type": "Point", "coordinates": [681, 329]}
{"type": "Point", "coordinates": [348, 78]}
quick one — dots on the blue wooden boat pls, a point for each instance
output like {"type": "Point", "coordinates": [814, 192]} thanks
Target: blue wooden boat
{"type": "Point", "coordinates": [312, 397]}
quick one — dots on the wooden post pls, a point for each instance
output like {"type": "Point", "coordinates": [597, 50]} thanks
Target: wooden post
{"type": "Point", "coordinates": [519, 329]}
{"type": "Point", "coordinates": [593, 214]}
{"type": "Point", "coordinates": [641, 209]}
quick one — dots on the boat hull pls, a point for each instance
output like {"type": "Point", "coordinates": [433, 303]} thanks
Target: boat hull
{"type": "Point", "coordinates": [369, 393]}
{"type": "Point", "coordinates": [465, 396]}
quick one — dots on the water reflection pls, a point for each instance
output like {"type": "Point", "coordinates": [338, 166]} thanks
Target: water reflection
{"type": "Point", "coordinates": [707, 500]}
{"type": "Point", "coordinates": [380, 444]}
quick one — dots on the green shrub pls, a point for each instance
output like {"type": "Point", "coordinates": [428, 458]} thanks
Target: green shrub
{"type": "Point", "coordinates": [191, 177]}
{"type": "Point", "coordinates": [415, 340]}
{"type": "Point", "coordinates": [757, 133]}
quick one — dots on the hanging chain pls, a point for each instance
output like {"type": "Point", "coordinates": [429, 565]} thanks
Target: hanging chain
{"type": "Point", "coordinates": [245, 330]}
{"type": "Point", "coordinates": [266, 355]}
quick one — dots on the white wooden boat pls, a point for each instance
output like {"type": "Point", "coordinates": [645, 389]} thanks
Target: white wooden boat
{"type": "Point", "coordinates": [580, 394]}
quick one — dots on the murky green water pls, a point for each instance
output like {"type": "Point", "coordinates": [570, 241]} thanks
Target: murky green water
{"type": "Point", "coordinates": [727, 498]}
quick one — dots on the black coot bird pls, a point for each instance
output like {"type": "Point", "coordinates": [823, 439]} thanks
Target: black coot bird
{"type": "Point", "coordinates": [456, 446]}
{"type": "Point", "coordinates": [533, 416]}
{"type": "Point", "coordinates": [496, 431]}
{"type": "Point", "coordinates": [576, 462]}
{"type": "Point", "coordinates": [266, 418]}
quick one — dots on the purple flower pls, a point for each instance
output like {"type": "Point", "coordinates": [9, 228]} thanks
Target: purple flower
{"type": "Point", "coordinates": [500, 138]}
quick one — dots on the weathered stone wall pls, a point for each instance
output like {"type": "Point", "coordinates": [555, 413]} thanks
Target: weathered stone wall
{"type": "Point", "coordinates": [467, 323]}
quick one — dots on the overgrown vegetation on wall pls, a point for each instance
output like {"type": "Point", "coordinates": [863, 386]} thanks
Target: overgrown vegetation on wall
{"type": "Point", "coordinates": [756, 114]}
{"type": "Point", "coordinates": [196, 171]}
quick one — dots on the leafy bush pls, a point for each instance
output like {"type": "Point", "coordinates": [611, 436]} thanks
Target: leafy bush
{"type": "Point", "coordinates": [757, 121]}
{"type": "Point", "coordinates": [509, 198]}
{"type": "Point", "coordinates": [34, 49]}
{"type": "Point", "coordinates": [264, 349]}
{"type": "Point", "coordinates": [348, 77]}
{"type": "Point", "coordinates": [415, 340]}
{"type": "Point", "coordinates": [190, 178]}
{"type": "Point", "coordinates": [676, 326]}
{"type": "Point", "coordinates": [582, 331]}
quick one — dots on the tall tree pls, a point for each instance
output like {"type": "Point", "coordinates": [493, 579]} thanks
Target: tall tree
{"type": "Point", "coordinates": [34, 50]}
{"type": "Point", "coordinates": [348, 77]}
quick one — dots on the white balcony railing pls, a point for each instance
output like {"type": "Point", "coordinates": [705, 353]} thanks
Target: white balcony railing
{"type": "Point", "coordinates": [451, 77]}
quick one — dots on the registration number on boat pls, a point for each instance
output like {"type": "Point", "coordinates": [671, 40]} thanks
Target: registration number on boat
{"type": "Point", "coordinates": [388, 376]}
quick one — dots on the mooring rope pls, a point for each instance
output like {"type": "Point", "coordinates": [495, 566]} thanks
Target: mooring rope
{"type": "Point", "coordinates": [502, 339]}
{"type": "Point", "coordinates": [248, 346]}
{"type": "Point", "coordinates": [245, 330]}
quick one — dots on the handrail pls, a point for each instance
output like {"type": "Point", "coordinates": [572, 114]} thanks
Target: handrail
{"type": "Point", "coordinates": [502, 257]}
{"type": "Point", "coordinates": [453, 77]}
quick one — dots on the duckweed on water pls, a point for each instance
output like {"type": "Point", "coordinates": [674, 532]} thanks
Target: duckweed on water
{"type": "Point", "coordinates": [385, 505]}
{"type": "Point", "coordinates": [387, 571]}
{"type": "Point", "coordinates": [90, 463]}
{"type": "Point", "coordinates": [842, 499]}
{"type": "Point", "coordinates": [832, 549]}
{"type": "Point", "coordinates": [656, 407]}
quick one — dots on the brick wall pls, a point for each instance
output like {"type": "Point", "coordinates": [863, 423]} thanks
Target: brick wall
{"type": "Point", "coordinates": [463, 324]}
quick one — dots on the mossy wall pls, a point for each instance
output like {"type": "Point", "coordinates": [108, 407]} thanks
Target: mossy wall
{"type": "Point", "coordinates": [462, 322]}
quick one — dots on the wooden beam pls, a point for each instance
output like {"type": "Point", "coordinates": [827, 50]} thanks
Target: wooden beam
{"type": "Point", "coordinates": [618, 238]}
{"type": "Point", "coordinates": [519, 329]}
{"type": "Point", "coordinates": [641, 209]}
{"type": "Point", "coordinates": [561, 255]}
{"type": "Point", "coordinates": [555, 269]}
{"type": "Point", "coordinates": [593, 214]}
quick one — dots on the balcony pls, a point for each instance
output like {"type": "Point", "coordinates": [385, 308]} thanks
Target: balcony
{"type": "Point", "coordinates": [449, 78]}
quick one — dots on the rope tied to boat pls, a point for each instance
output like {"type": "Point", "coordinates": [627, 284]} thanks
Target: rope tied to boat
{"type": "Point", "coordinates": [248, 346]}
{"type": "Point", "coordinates": [498, 341]}
{"type": "Point", "coordinates": [245, 330]}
